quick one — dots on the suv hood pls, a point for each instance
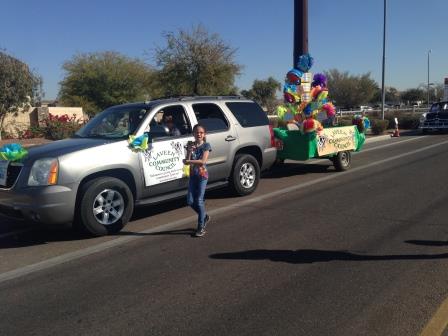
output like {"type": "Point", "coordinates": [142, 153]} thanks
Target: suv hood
{"type": "Point", "coordinates": [62, 147]}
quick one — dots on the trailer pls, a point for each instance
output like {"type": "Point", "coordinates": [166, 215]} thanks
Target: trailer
{"type": "Point", "coordinates": [334, 143]}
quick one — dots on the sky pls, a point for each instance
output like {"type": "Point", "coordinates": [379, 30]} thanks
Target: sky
{"type": "Point", "coordinates": [346, 35]}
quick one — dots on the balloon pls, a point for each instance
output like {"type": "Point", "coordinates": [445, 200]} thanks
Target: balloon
{"type": "Point", "coordinates": [319, 79]}
{"type": "Point", "coordinates": [305, 62]}
{"type": "Point", "coordinates": [293, 76]}
{"type": "Point", "coordinates": [311, 125]}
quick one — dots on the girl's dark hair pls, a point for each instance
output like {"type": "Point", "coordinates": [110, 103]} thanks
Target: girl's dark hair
{"type": "Point", "coordinates": [201, 126]}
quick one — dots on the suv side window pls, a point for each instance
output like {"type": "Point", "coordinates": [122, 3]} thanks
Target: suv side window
{"type": "Point", "coordinates": [173, 119]}
{"type": "Point", "coordinates": [211, 117]}
{"type": "Point", "coordinates": [248, 114]}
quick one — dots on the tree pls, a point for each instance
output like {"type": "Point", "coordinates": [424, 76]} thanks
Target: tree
{"type": "Point", "coordinates": [392, 96]}
{"type": "Point", "coordinates": [435, 91]}
{"type": "Point", "coordinates": [413, 95]}
{"type": "Point", "coordinates": [349, 91]}
{"type": "Point", "coordinates": [264, 92]}
{"type": "Point", "coordinates": [98, 80]}
{"type": "Point", "coordinates": [196, 63]}
{"type": "Point", "coordinates": [19, 87]}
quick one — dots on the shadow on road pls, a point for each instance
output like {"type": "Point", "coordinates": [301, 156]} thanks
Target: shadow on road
{"type": "Point", "coordinates": [178, 203]}
{"type": "Point", "coordinates": [427, 242]}
{"type": "Point", "coordinates": [41, 236]}
{"type": "Point", "coordinates": [293, 169]}
{"type": "Point", "coordinates": [188, 232]}
{"type": "Point", "coordinates": [312, 256]}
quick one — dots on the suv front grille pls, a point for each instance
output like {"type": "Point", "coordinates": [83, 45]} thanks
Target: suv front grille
{"type": "Point", "coordinates": [13, 173]}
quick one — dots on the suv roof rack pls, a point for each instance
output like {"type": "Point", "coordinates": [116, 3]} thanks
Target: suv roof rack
{"type": "Point", "coordinates": [209, 97]}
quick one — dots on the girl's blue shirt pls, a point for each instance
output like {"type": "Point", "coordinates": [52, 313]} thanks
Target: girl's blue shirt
{"type": "Point", "coordinates": [198, 154]}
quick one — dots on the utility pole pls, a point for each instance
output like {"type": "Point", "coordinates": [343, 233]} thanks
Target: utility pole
{"type": "Point", "coordinates": [300, 29]}
{"type": "Point", "coordinates": [429, 52]}
{"type": "Point", "coordinates": [383, 91]}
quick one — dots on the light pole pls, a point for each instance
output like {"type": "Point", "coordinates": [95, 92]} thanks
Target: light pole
{"type": "Point", "coordinates": [383, 92]}
{"type": "Point", "coordinates": [429, 51]}
{"type": "Point", "coordinates": [300, 30]}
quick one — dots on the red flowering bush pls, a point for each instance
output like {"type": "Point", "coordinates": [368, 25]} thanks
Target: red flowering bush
{"type": "Point", "coordinates": [57, 127]}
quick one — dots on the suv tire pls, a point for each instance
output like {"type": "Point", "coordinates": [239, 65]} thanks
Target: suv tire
{"type": "Point", "coordinates": [342, 161]}
{"type": "Point", "coordinates": [106, 205]}
{"type": "Point", "coordinates": [245, 174]}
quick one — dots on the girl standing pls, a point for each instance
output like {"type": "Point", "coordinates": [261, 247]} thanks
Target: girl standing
{"type": "Point", "coordinates": [197, 155]}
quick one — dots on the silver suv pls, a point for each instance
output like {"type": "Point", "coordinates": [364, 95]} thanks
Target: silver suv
{"type": "Point", "coordinates": [95, 179]}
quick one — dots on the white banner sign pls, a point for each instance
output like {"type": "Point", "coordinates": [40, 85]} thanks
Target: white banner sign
{"type": "Point", "coordinates": [162, 162]}
{"type": "Point", "coordinates": [336, 139]}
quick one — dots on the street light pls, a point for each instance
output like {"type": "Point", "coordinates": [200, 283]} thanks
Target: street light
{"type": "Point", "coordinates": [429, 51]}
{"type": "Point", "coordinates": [383, 92]}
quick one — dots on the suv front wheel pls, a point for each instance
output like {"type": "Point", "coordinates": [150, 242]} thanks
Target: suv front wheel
{"type": "Point", "coordinates": [106, 205]}
{"type": "Point", "coordinates": [245, 174]}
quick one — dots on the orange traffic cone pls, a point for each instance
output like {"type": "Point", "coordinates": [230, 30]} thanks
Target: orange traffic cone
{"type": "Point", "coordinates": [396, 131]}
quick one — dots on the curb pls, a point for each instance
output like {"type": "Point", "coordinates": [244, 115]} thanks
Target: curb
{"type": "Point", "coordinates": [375, 138]}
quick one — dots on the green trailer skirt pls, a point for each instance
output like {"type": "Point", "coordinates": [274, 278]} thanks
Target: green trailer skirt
{"type": "Point", "coordinates": [301, 147]}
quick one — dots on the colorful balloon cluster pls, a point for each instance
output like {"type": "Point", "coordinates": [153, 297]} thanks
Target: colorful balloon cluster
{"type": "Point", "coordinates": [12, 152]}
{"type": "Point", "coordinates": [305, 102]}
{"type": "Point", "coordinates": [361, 122]}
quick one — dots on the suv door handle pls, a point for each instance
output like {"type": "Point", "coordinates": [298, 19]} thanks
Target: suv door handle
{"type": "Point", "coordinates": [230, 138]}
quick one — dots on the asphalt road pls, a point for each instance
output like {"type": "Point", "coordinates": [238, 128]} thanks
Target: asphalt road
{"type": "Point", "coordinates": [312, 252]}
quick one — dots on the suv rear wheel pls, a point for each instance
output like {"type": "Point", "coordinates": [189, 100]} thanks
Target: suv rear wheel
{"type": "Point", "coordinates": [245, 174]}
{"type": "Point", "coordinates": [106, 206]}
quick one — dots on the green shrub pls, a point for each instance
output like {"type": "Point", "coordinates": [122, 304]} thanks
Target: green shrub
{"type": "Point", "coordinates": [409, 122]}
{"type": "Point", "coordinates": [379, 126]}
{"type": "Point", "coordinates": [405, 121]}
{"type": "Point", "coordinates": [6, 135]}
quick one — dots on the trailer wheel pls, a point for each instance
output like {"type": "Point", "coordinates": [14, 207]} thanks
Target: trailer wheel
{"type": "Point", "coordinates": [342, 161]}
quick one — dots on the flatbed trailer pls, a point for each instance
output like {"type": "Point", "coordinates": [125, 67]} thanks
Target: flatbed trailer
{"type": "Point", "coordinates": [333, 143]}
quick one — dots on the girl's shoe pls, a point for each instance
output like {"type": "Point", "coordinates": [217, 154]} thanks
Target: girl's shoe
{"type": "Point", "coordinates": [200, 233]}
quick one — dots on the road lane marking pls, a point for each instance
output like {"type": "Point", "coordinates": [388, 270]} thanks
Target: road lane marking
{"type": "Point", "coordinates": [438, 322]}
{"type": "Point", "coordinates": [46, 264]}
{"type": "Point", "coordinates": [313, 161]}
{"type": "Point", "coordinates": [390, 144]}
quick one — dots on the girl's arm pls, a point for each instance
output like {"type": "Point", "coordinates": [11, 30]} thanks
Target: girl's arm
{"type": "Point", "coordinates": [201, 162]}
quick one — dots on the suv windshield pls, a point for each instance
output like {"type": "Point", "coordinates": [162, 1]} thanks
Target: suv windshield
{"type": "Point", "coordinates": [113, 123]}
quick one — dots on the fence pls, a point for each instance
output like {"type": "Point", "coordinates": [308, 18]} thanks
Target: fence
{"type": "Point", "coordinates": [395, 111]}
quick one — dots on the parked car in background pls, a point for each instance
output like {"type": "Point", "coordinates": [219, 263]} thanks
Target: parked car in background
{"type": "Point", "coordinates": [436, 118]}
{"type": "Point", "coordinates": [95, 179]}
{"type": "Point", "coordinates": [364, 108]}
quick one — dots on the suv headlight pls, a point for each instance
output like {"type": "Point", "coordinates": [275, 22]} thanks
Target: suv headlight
{"type": "Point", "coordinates": [423, 117]}
{"type": "Point", "coordinates": [44, 172]}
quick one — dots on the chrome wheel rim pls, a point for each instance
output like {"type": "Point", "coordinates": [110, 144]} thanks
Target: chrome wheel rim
{"type": "Point", "coordinates": [247, 175]}
{"type": "Point", "coordinates": [345, 159]}
{"type": "Point", "coordinates": [108, 207]}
